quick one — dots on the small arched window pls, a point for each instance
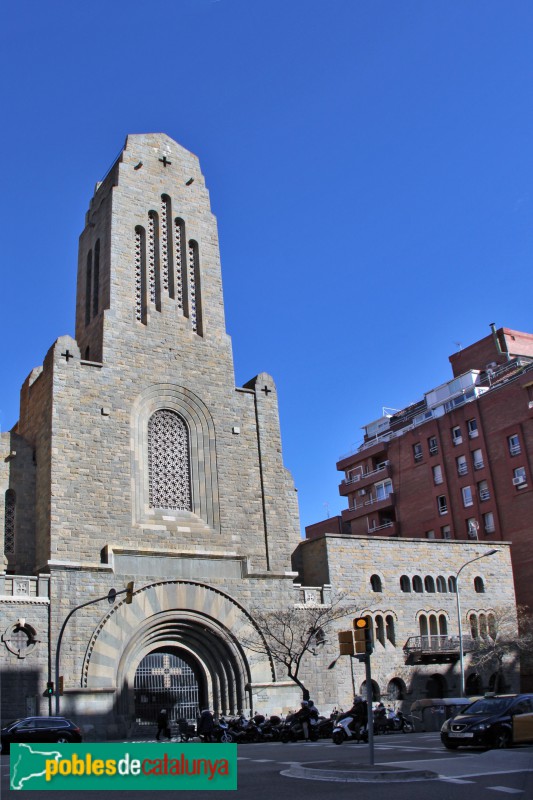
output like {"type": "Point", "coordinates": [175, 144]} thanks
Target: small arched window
{"type": "Point", "coordinates": [389, 629]}
{"type": "Point", "coordinates": [479, 586]}
{"type": "Point", "coordinates": [423, 625]}
{"type": "Point", "coordinates": [493, 631]}
{"type": "Point", "coordinates": [417, 584]}
{"type": "Point", "coordinates": [441, 584]}
{"type": "Point", "coordinates": [429, 584]}
{"type": "Point", "coordinates": [375, 582]}
{"type": "Point", "coordinates": [396, 689]}
{"type": "Point", "coordinates": [380, 630]}
{"type": "Point", "coordinates": [405, 583]}
{"type": "Point", "coordinates": [452, 584]}
{"type": "Point", "coordinates": [474, 628]}
{"type": "Point", "coordinates": [443, 625]}
{"type": "Point", "coordinates": [483, 625]}
{"type": "Point", "coordinates": [433, 626]}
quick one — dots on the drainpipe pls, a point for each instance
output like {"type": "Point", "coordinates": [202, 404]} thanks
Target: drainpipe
{"type": "Point", "coordinates": [497, 343]}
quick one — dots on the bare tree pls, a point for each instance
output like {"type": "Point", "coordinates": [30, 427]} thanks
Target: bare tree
{"type": "Point", "coordinates": [289, 634]}
{"type": "Point", "coordinates": [502, 634]}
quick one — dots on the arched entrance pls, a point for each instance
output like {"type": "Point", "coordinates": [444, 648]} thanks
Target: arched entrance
{"type": "Point", "coordinates": [198, 624]}
{"type": "Point", "coordinates": [168, 679]}
{"type": "Point", "coordinates": [436, 686]}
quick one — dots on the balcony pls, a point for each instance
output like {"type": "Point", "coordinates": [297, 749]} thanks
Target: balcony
{"type": "Point", "coordinates": [364, 505]}
{"type": "Point", "coordinates": [390, 528]}
{"type": "Point", "coordinates": [363, 479]}
{"type": "Point", "coordinates": [435, 649]}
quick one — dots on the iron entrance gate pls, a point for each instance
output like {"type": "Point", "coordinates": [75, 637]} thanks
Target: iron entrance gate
{"type": "Point", "coordinates": [164, 680]}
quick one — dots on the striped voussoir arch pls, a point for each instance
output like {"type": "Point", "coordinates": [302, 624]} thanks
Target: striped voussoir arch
{"type": "Point", "coordinates": [185, 615]}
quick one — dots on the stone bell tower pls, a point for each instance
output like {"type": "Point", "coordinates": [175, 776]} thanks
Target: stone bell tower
{"type": "Point", "coordinates": [146, 440]}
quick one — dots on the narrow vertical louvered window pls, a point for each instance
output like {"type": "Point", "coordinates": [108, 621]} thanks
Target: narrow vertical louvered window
{"type": "Point", "coordinates": [88, 286]}
{"type": "Point", "coordinates": [182, 296]}
{"type": "Point", "coordinates": [154, 276]}
{"type": "Point", "coordinates": [195, 289]}
{"type": "Point", "coordinates": [9, 524]}
{"type": "Point", "coordinates": [140, 275]}
{"type": "Point", "coordinates": [167, 265]}
{"type": "Point", "coordinates": [96, 277]}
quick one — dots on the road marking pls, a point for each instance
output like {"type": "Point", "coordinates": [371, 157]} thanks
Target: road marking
{"type": "Point", "coordinates": [505, 789]}
{"type": "Point", "coordinates": [454, 780]}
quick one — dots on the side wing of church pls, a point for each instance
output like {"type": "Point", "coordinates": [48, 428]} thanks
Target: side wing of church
{"type": "Point", "coordinates": [135, 458]}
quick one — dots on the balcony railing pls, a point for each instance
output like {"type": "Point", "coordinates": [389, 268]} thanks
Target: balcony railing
{"type": "Point", "coordinates": [360, 476]}
{"type": "Point", "coordinates": [436, 648]}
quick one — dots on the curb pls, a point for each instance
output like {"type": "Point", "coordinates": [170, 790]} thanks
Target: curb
{"type": "Point", "coordinates": [360, 776]}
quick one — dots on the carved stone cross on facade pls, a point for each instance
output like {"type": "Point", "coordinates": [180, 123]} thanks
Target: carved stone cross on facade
{"type": "Point", "coordinates": [67, 355]}
{"type": "Point", "coordinates": [166, 671]}
{"type": "Point", "coordinates": [165, 161]}
{"type": "Point", "coordinates": [266, 390]}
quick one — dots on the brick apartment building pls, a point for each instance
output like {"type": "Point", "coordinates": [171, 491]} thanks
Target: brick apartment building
{"type": "Point", "coordinates": [456, 464]}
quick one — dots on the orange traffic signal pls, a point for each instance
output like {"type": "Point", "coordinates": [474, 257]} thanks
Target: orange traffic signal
{"type": "Point", "coordinates": [362, 634]}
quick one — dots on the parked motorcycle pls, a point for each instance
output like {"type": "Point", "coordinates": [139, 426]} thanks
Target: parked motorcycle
{"type": "Point", "coordinates": [268, 730]}
{"type": "Point", "coordinates": [293, 730]}
{"type": "Point", "coordinates": [325, 727]}
{"type": "Point", "coordinates": [391, 722]}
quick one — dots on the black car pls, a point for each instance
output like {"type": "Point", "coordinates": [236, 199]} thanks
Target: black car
{"type": "Point", "coordinates": [491, 721]}
{"type": "Point", "coordinates": [39, 729]}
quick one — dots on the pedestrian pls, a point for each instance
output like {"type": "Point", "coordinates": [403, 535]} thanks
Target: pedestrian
{"type": "Point", "coordinates": [303, 716]}
{"type": "Point", "coordinates": [162, 724]}
{"type": "Point", "coordinates": [206, 724]}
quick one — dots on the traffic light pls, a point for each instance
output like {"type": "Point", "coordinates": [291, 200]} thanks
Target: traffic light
{"type": "Point", "coordinates": [50, 689]}
{"type": "Point", "coordinates": [346, 643]}
{"type": "Point", "coordinates": [129, 592]}
{"type": "Point", "coordinates": [362, 634]}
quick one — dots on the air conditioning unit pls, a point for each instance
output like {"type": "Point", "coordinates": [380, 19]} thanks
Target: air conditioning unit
{"type": "Point", "coordinates": [518, 481]}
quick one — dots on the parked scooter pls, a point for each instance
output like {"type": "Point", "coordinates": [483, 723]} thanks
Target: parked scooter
{"type": "Point", "coordinates": [401, 723]}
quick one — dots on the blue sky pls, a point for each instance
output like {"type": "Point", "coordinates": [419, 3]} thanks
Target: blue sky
{"type": "Point", "coordinates": [370, 163]}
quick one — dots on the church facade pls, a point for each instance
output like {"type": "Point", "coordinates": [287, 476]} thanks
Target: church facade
{"type": "Point", "coordinates": [136, 460]}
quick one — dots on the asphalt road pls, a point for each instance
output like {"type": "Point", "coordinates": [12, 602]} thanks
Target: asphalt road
{"type": "Point", "coordinates": [306, 771]}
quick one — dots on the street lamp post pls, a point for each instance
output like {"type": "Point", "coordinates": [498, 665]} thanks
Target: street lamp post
{"type": "Point", "coordinates": [110, 597]}
{"type": "Point", "coordinates": [459, 624]}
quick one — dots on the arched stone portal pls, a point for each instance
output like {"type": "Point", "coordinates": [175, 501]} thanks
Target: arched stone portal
{"type": "Point", "coordinates": [202, 624]}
